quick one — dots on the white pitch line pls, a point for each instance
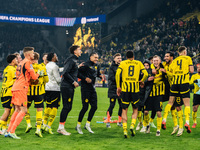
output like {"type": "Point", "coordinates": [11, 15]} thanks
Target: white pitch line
{"type": "Point", "coordinates": [97, 116]}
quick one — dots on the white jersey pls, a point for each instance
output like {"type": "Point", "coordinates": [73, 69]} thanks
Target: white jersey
{"type": "Point", "coordinates": [54, 77]}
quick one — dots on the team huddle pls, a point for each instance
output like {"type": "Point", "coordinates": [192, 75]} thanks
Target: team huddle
{"type": "Point", "coordinates": [144, 85]}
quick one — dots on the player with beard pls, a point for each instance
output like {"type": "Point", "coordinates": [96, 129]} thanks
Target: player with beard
{"type": "Point", "coordinates": [180, 68]}
{"type": "Point", "coordinates": [88, 74]}
{"type": "Point", "coordinates": [52, 88]}
{"type": "Point", "coordinates": [112, 90]}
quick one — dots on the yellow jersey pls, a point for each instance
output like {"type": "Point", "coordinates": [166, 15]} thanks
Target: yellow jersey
{"type": "Point", "coordinates": [169, 75]}
{"type": "Point", "coordinates": [158, 84]}
{"type": "Point", "coordinates": [130, 70]}
{"type": "Point", "coordinates": [180, 69]}
{"type": "Point", "coordinates": [45, 78]}
{"type": "Point", "coordinates": [9, 77]}
{"type": "Point", "coordinates": [38, 89]}
{"type": "Point", "coordinates": [196, 87]}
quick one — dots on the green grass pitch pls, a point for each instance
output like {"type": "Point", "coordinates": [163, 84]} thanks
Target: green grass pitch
{"type": "Point", "coordinates": [103, 138]}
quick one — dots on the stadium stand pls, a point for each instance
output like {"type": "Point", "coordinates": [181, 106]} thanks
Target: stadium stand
{"type": "Point", "coordinates": [154, 33]}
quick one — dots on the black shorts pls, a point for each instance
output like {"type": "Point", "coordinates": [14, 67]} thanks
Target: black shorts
{"type": "Point", "coordinates": [154, 103]}
{"type": "Point", "coordinates": [43, 96]}
{"type": "Point", "coordinates": [178, 101]}
{"type": "Point", "coordinates": [52, 98]}
{"type": "Point", "coordinates": [140, 108]}
{"type": "Point", "coordinates": [196, 99]}
{"type": "Point", "coordinates": [38, 101]}
{"type": "Point", "coordinates": [6, 102]}
{"type": "Point", "coordinates": [167, 93]}
{"type": "Point", "coordinates": [129, 97]}
{"type": "Point", "coordinates": [67, 95]}
{"type": "Point", "coordinates": [89, 97]}
{"type": "Point", "coordinates": [183, 89]}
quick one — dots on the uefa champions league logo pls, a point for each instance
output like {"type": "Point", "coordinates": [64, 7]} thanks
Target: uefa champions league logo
{"type": "Point", "coordinates": [83, 20]}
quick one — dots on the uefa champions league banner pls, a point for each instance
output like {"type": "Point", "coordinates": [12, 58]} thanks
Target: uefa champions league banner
{"type": "Point", "coordinates": [53, 21]}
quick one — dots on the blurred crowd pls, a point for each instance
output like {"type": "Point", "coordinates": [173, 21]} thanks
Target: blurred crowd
{"type": "Point", "coordinates": [160, 31]}
{"type": "Point", "coordinates": [55, 8]}
{"type": "Point", "coordinates": [14, 37]}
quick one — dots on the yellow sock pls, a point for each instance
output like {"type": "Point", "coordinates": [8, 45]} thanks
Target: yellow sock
{"type": "Point", "coordinates": [1, 123]}
{"type": "Point", "coordinates": [194, 117]}
{"type": "Point", "coordinates": [146, 120]}
{"type": "Point", "coordinates": [125, 127]}
{"type": "Point", "coordinates": [133, 121]}
{"type": "Point", "coordinates": [174, 117]}
{"type": "Point", "coordinates": [27, 117]}
{"type": "Point", "coordinates": [47, 111]}
{"type": "Point", "coordinates": [159, 122]}
{"type": "Point", "coordinates": [187, 114]}
{"type": "Point", "coordinates": [39, 119]}
{"type": "Point", "coordinates": [151, 120]}
{"type": "Point", "coordinates": [4, 124]}
{"type": "Point", "coordinates": [11, 112]}
{"type": "Point", "coordinates": [52, 116]}
{"type": "Point", "coordinates": [88, 122]}
{"type": "Point", "coordinates": [180, 118]}
{"type": "Point", "coordinates": [166, 112]}
{"type": "Point", "coordinates": [79, 123]}
{"type": "Point", "coordinates": [139, 116]}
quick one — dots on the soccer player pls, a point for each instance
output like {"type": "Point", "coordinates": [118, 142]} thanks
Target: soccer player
{"type": "Point", "coordinates": [46, 110]}
{"type": "Point", "coordinates": [88, 74]}
{"type": "Point", "coordinates": [178, 104]}
{"type": "Point", "coordinates": [153, 113]}
{"type": "Point", "coordinates": [144, 94]}
{"type": "Point", "coordinates": [19, 59]}
{"type": "Point", "coordinates": [195, 79]}
{"type": "Point", "coordinates": [6, 94]}
{"type": "Point", "coordinates": [35, 93]}
{"type": "Point", "coordinates": [112, 90]}
{"type": "Point", "coordinates": [24, 73]}
{"type": "Point", "coordinates": [68, 84]}
{"type": "Point", "coordinates": [154, 102]}
{"type": "Point", "coordinates": [52, 88]}
{"type": "Point", "coordinates": [169, 57]}
{"type": "Point", "coordinates": [180, 68]}
{"type": "Point", "coordinates": [129, 88]}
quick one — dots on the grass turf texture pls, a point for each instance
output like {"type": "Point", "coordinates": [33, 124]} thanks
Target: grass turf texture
{"type": "Point", "coordinates": [104, 138]}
